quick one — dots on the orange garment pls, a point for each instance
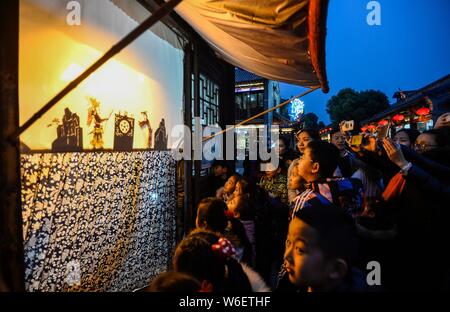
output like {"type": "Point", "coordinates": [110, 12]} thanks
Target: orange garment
{"type": "Point", "coordinates": [394, 188]}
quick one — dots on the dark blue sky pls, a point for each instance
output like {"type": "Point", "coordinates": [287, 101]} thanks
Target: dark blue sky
{"type": "Point", "coordinates": [410, 49]}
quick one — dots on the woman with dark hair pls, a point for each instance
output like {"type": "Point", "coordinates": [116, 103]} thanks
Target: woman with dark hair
{"type": "Point", "coordinates": [304, 136]}
{"type": "Point", "coordinates": [285, 154]}
{"type": "Point", "coordinates": [406, 137]}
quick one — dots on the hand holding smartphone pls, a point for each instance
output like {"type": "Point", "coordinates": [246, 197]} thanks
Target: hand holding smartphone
{"type": "Point", "coordinates": [347, 126]}
{"type": "Point", "coordinates": [383, 131]}
{"type": "Point", "coordinates": [356, 140]}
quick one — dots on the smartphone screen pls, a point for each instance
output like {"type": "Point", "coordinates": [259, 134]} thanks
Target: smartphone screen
{"type": "Point", "coordinates": [383, 131]}
{"type": "Point", "coordinates": [347, 126]}
{"type": "Point", "coordinates": [356, 140]}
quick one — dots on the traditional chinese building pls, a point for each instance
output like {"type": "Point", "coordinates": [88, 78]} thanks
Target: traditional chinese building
{"type": "Point", "coordinates": [416, 109]}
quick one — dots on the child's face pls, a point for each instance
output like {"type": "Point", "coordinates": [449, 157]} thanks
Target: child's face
{"type": "Point", "coordinates": [233, 204]}
{"type": "Point", "coordinates": [197, 220]}
{"type": "Point", "coordinates": [230, 185]}
{"type": "Point", "coordinates": [238, 190]}
{"type": "Point", "coordinates": [304, 261]}
{"type": "Point", "coordinates": [294, 181]}
{"type": "Point", "coordinates": [307, 169]}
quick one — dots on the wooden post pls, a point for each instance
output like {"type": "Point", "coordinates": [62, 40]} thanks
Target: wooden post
{"type": "Point", "coordinates": [11, 239]}
{"type": "Point", "coordinates": [197, 113]}
{"type": "Point", "coordinates": [227, 109]}
{"type": "Point", "coordinates": [188, 198]}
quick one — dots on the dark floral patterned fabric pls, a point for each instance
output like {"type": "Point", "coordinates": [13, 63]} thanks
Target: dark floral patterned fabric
{"type": "Point", "coordinates": [97, 221]}
{"type": "Point", "coordinates": [276, 187]}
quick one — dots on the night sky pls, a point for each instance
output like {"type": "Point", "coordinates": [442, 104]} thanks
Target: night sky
{"type": "Point", "coordinates": [410, 49]}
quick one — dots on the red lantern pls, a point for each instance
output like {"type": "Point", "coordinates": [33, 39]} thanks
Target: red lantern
{"type": "Point", "coordinates": [423, 111]}
{"type": "Point", "coordinates": [363, 129]}
{"type": "Point", "coordinates": [398, 118]}
{"type": "Point", "coordinates": [383, 122]}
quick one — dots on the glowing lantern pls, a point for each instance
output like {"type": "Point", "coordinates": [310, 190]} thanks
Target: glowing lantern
{"type": "Point", "coordinates": [297, 109]}
{"type": "Point", "coordinates": [423, 111]}
{"type": "Point", "coordinates": [363, 129]}
{"type": "Point", "coordinates": [383, 122]}
{"type": "Point", "coordinates": [398, 118]}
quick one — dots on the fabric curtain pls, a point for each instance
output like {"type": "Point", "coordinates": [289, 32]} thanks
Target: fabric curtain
{"type": "Point", "coordinates": [266, 37]}
{"type": "Point", "coordinates": [97, 221]}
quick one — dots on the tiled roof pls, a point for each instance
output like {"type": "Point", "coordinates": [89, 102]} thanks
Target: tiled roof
{"type": "Point", "coordinates": [436, 88]}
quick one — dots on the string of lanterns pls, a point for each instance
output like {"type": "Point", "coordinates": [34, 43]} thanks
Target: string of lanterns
{"type": "Point", "coordinates": [421, 114]}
